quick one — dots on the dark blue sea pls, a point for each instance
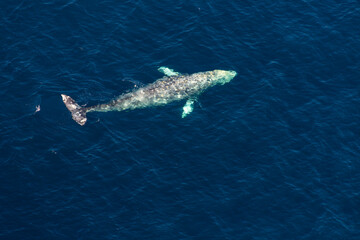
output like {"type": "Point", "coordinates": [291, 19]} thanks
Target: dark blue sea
{"type": "Point", "coordinates": [274, 154]}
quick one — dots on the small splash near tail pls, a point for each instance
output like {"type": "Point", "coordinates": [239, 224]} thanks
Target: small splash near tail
{"type": "Point", "coordinates": [37, 109]}
{"type": "Point", "coordinates": [78, 113]}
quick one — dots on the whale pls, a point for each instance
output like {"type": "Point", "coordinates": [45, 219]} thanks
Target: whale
{"type": "Point", "coordinates": [173, 86]}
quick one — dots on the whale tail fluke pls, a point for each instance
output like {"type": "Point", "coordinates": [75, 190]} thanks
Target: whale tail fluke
{"type": "Point", "coordinates": [78, 113]}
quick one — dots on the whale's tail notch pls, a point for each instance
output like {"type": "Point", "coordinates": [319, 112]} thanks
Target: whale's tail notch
{"type": "Point", "coordinates": [77, 112]}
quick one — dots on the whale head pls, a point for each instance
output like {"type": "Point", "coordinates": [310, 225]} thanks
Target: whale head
{"type": "Point", "coordinates": [222, 76]}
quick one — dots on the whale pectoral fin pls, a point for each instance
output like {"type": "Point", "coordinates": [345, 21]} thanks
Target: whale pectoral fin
{"type": "Point", "coordinates": [188, 107]}
{"type": "Point", "coordinates": [168, 72]}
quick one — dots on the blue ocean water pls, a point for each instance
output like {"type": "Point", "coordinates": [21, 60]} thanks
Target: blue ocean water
{"type": "Point", "coordinates": [274, 154]}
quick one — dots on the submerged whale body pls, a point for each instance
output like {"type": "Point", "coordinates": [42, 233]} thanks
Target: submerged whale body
{"type": "Point", "coordinates": [172, 87]}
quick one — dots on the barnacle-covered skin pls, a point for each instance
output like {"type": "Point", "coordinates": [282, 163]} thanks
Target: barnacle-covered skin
{"type": "Point", "coordinates": [166, 90]}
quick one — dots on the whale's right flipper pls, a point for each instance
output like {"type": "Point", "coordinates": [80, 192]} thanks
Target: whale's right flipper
{"type": "Point", "coordinates": [78, 113]}
{"type": "Point", "coordinates": [168, 72]}
{"type": "Point", "coordinates": [188, 107]}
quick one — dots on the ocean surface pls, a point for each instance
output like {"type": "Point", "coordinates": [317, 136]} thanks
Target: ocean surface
{"type": "Point", "coordinates": [274, 154]}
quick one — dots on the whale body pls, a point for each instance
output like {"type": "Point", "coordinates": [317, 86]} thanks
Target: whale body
{"type": "Point", "coordinates": [172, 87]}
